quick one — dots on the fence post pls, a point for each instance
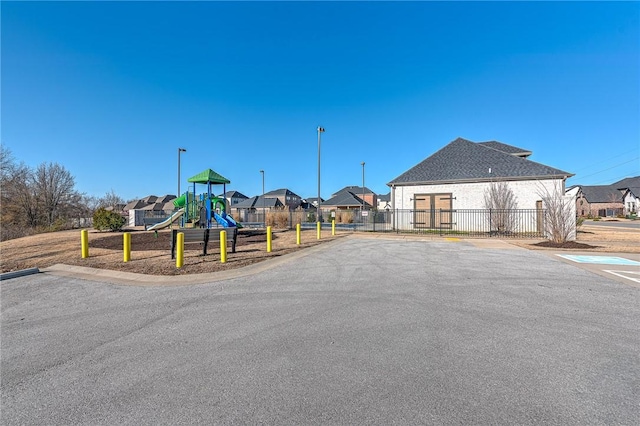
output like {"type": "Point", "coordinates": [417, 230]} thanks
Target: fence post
{"type": "Point", "coordinates": [490, 223]}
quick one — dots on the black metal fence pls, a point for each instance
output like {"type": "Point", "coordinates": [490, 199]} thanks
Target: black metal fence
{"type": "Point", "coordinates": [507, 223]}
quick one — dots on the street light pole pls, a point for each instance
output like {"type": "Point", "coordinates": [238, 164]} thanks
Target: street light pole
{"type": "Point", "coordinates": [179, 151]}
{"type": "Point", "coordinates": [264, 215]}
{"type": "Point", "coordinates": [362, 185]}
{"type": "Point", "coordinates": [320, 130]}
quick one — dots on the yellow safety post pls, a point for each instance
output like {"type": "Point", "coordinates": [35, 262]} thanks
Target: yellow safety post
{"type": "Point", "coordinates": [223, 246]}
{"type": "Point", "coordinates": [84, 242]}
{"type": "Point", "coordinates": [180, 254]}
{"type": "Point", "coordinates": [333, 227]}
{"type": "Point", "coordinates": [268, 239]}
{"type": "Point", "coordinates": [126, 242]}
{"type": "Point", "coordinates": [298, 234]}
{"type": "Point", "coordinates": [318, 229]}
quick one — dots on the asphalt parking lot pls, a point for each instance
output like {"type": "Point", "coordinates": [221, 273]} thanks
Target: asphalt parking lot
{"type": "Point", "coordinates": [358, 331]}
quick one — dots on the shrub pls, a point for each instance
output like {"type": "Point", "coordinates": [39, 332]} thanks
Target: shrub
{"type": "Point", "coordinates": [344, 216]}
{"type": "Point", "coordinates": [278, 219]}
{"type": "Point", "coordinates": [105, 219]}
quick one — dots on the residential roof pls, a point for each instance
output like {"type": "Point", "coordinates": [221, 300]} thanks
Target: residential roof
{"type": "Point", "coordinates": [135, 205]}
{"type": "Point", "coordinates": [466, 161]}
{"type": "Point", "coordinates": [509, 149]}
{"type": "Point", "coordinates": [232, 194]}
{"type": "Point", "coordinates": [345, 199]}
{"type": "Point", "coordinates": [384, 197]}
{"type": "Point", "coordinates": [256, 202]}
{"type": "Point", "coordinates": [208, 176]}
{"type": "Point", "coordinates": [354, 190]}
{"type": "Point", "coordinates": [280, 192]}
{"type": "Point", "coordinates": [601, 193]}
{"type": "Point", "coordinates": [632, 183]}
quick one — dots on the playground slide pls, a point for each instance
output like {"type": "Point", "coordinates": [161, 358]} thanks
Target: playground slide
{"type": "Point", "coordinates": [168, 221]}
{"type": "Point", "coordinates": [229, 219]}
{"type": "Point", "coordinates": [221, 220]}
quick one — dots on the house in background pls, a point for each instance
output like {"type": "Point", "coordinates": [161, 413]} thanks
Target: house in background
{"type": "Point", "coordinates": [618, 198]}
{"type": "Point", "coordinates": [233, 197]}
{"type": "Point", "coordinates": [288, 198]}
{"type": "Point", "coordinates": [631, 195]}
{"type": "Point", "coordinates": [458, 176]}
{"type": "Point", "coordinates": [311, 202]}
{"type": "Point", "coordinates": [384, 201]}
{"type": "Point", "coordinates": [370, 197]}
{"type": "Point", "coordinates": [246, 210]}
{"type": "Point", "coordinates": [347, 198]}
{"type": "Point", "coordinates": [150, 205]}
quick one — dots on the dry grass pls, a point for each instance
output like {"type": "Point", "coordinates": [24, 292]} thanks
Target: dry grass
{"type": "Point", "coordinates": [601, 239]}
{"type": "Point", "coordinates": [150, 255]}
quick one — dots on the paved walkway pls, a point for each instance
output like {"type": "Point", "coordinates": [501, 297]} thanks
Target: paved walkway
{"type": "Point", "coordinates": [360, 331]}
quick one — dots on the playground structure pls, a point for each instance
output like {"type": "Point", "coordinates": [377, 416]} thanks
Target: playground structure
{"type": "Point", "coordinates": [204, 210]}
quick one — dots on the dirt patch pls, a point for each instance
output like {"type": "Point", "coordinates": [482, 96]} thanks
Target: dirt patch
{"type": "Point", "coordinates": [150, 252]}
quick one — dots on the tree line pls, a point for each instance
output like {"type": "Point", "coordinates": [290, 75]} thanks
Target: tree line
{"type": "Point", "coordinates": [42, 199]}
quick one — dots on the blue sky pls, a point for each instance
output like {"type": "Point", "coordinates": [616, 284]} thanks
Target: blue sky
{"type": "Point", "coordinates": [110, 90]}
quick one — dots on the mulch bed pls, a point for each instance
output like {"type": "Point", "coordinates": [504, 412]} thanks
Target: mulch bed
{"type": "Point", "coordinates": [149, 240]}
{"type": "Point", "coordinates": [565, 245]}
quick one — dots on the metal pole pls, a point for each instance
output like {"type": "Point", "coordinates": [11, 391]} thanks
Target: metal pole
{"type": "Point", "coordinates": [264, 214]}
{"type": "Point", "coordinates": [362, 185]}
{"type": "Point", "coordinates": [320, 130]}
{"type": "Point", "coordinates": [179, 151]}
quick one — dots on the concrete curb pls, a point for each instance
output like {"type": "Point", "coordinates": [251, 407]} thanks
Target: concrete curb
{"type": "Point", "coordinates": [16, 274]}
{"type": "Point", "coordinates": [144, 280]}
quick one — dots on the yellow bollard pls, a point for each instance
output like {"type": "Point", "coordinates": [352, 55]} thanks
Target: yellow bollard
{"type": "Point", "coordinates": [333, 227]}
{"type": "Point", "coordinates": [318, 226]}
{"type": "Point", "coordinates": [84, 242]}
{"type": "Point", "coordinates": [298, 234]}
{"type": "Point", "coordinates": [223, 246]}
{"type": "Point", "coordinates": [180, 254]}
{"type": "Point", "coordinates": [268, 239]}
{"type": "Point", "coordinates": [126, 242]}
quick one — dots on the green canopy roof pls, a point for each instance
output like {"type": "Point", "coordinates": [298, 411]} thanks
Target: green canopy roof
{"type": "Point", "coordinates": [208, 176]}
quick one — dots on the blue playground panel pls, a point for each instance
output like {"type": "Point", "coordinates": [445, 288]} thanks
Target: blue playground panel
{"type": "Point", "coordinates": [600, 260]}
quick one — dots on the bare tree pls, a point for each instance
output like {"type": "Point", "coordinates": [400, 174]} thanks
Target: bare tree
{"type": "Point", "coordinates": [559, 213]}
{"type": "Point", "coordinates": [111, 199]}
{"type": "Point", "coordinates": [18, 207]}
{"type": "Point", "coordinates": [55, 189]}
{"type": "Point", "coordinates": [501, 202]}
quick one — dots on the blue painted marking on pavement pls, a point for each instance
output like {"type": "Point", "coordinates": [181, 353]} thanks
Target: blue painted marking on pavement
{"type": "Point", "coordinates": [600, 260]}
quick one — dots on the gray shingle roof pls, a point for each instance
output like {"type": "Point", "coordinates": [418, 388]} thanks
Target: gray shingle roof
{"type": "Point", "coordinates": [632, 183]}
{"type": "Point", "coordinates": [256, 202]}
{"type": "Point", "coordinates": [466, 161]}
{"type": "Point", "coordinates": [232, 194]}
{"type": "Point", "coordinates": [283, 192]}
{"type": "Point", "coordinates": [601, 193]}
{"type": "Point", "coordinates": [509, 149]}
{"type": "Point", "coordinates": [345, 199]}
{"type": "Point", "coordinates": [354, 190]}
{"type": "Point", "coordinates": [385, 197]}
